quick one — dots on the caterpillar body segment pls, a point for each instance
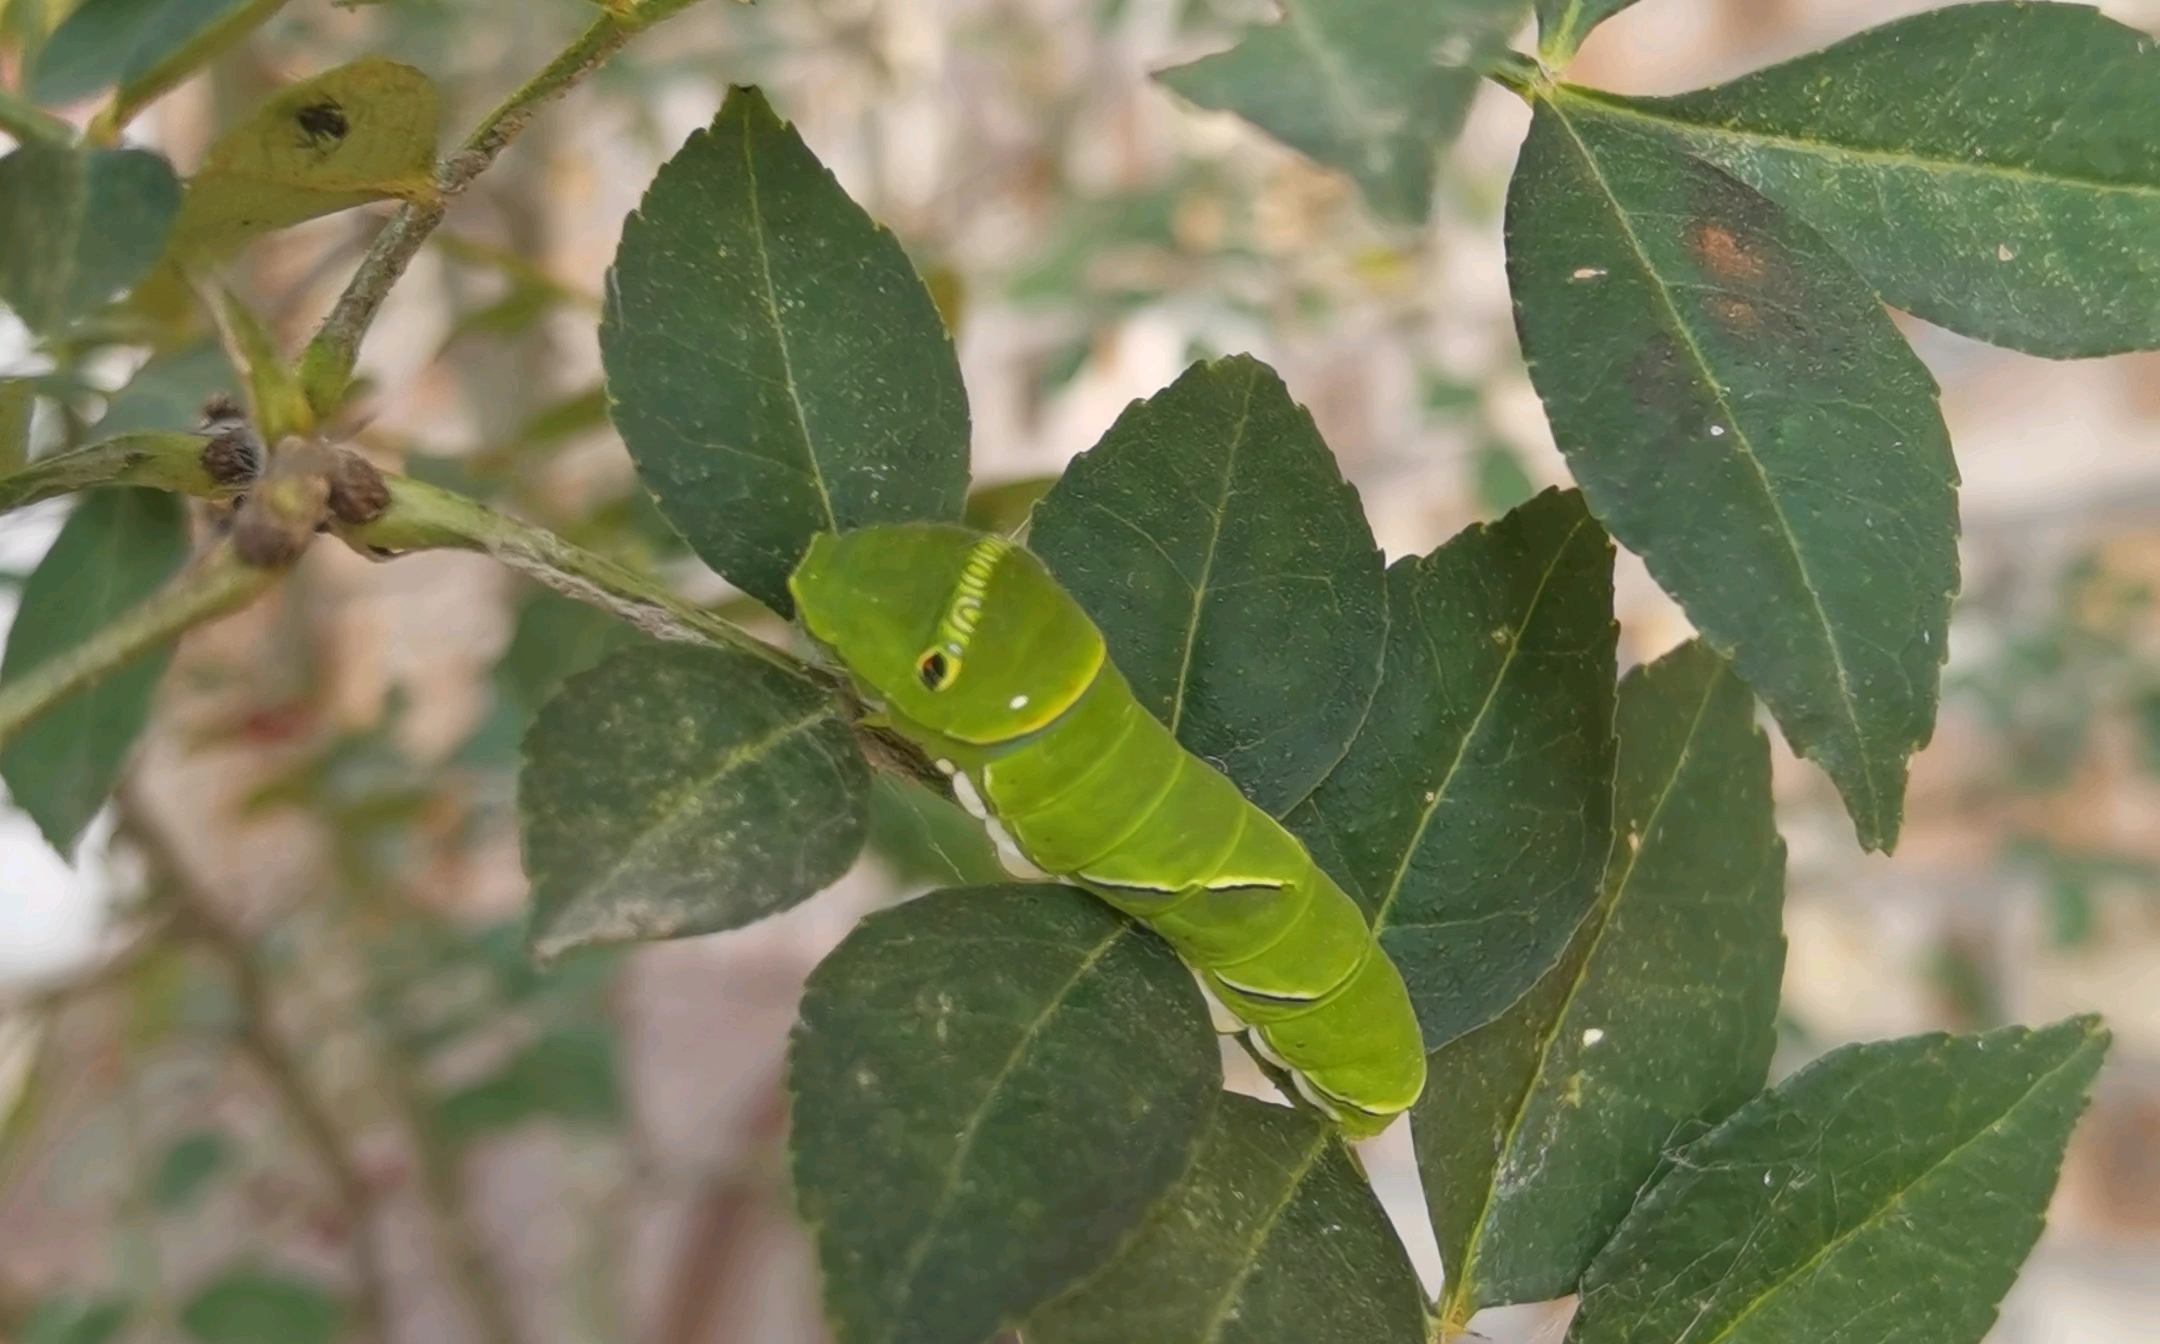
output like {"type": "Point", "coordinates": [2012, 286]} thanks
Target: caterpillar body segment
{"type": "Point", "coordinates": [981, 659]}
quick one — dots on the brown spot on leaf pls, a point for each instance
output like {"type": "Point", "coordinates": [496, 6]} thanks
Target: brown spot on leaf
{"type": "Point", "coordinates": [1730, 258]}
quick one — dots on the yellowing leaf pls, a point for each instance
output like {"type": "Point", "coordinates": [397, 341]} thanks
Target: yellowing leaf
{"type": "Point", "coordinates": [362, 132]}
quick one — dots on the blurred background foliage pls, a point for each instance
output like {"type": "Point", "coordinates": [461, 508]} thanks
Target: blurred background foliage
{"type": "Point", "coordinates": [277, 993]}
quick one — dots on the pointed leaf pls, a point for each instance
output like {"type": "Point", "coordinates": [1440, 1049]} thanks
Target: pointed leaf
{"type": "Point", "coordinates": [1740, 412]}
{"type": "Point", "coordinates": [1471, 815]}
{"type": "Point", "coordinates": [990, 1087]}
{"type": "Point", "coordinates": [1537, 1130]}
{"type": "Point", "coordinates": [79, 228]}
{"type": "Point", "coordinates": [678, 789]}
{"type": "Point", "coordinates": [363, 132]}
{"type": "Point", "coordinates": [142, 44]}
{"type": "Point", "coordinates": [1563, 24]}
{"type": "Point", "coordinates": [1273, 1237]}
{"type": "Point", "coordinates": [777, 368]}
{"type": "Point", "coordinates": [1372, 88]}
{"type": "Point", "coordinates": [255, 1307]}
{"type": "Point", "coordinates": [1887, 1192]}
{"type": "Point", "coordinates": [114, 551]}
{"type": "Point", "coordinates": [1213, 538]}
{"type": "Point", "coordinates": [1991, 167]}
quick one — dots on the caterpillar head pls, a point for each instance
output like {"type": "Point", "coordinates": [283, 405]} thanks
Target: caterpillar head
{"type": "Point", "coordinates": [958, 631]}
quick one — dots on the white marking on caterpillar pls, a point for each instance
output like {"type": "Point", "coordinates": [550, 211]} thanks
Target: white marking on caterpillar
{"type": "Point", "coordinates": [1225, 1022]}
{"type": "Point", "coordinates": [1325, 1103]}
{"type": "Point", "coordinates": [1017, 702]}
{"type": "Point", "coordinates": [1009, 853]}
{"type": "Point", "coordinates": [963, 792]}
{"type": "Point", "coordinates": [1264, 1050]}
{"type": "Point", "coordinates": [944, 767]}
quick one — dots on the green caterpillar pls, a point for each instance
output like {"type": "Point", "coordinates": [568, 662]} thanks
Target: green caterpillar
{"type": "Point", "coordinates": [968, 646]}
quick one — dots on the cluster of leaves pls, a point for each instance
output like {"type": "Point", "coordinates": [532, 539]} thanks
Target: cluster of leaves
{"type": "Point", "coordinates": [1007, 1100]}
{"type": "Point", "coordinates": [1579, 877]}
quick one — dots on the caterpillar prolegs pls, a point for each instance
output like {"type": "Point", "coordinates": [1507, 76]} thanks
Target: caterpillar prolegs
{"type": "Point", "coordinates": [978, 656]}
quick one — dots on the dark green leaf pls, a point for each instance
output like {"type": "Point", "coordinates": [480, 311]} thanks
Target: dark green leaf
{"type": "Point", "coordinates": [67, 1321]}
{"type": "Point", "coordinates": [1471, 816]}
{"type": "Point", "coordinates": [256, 1307]}
{"type": "Point", "coordinates": [188, 1163]}
{"type": "Point", "coordinates": [1740, 412]}
{"type": "Point", "coordinates": [990, 1088]}
{"type": "Point", "coordinates": [929, 841]}
{"type": "Point", "coordinates": [777, 368]}
{"type": "Point", "coordinates": [1536, 1131]}
{"type": "Point", "coordinates": [362, 132]}
{"type": "Point", "coordinates": [78, 229]}
{"type": "Point", "coordinates": [137, 43]}
{"type": "Point", "coordinates": [568, 1075]}
{"type": "Point", "coordinates": [1991, 168]}
{"type": "Point", "coordinates": [1372, 88]}
{"type": "Point", "coordinates": [676, 790]}
{"type": "Point", "coordinates": [556, 638]}
{"type": "Point", "coordinates": [1003, 508]}
{"type": "Point", "coordinates": [117, 549]}
{"type": "Point", "coordinates": [166, 395]}
{"type": "Point", "coordinates": [1213, 538]}
{"type": "Point", "coordinates": [1563, 24]}
{"type": "Point", "coordinates": [1886, 1192]}
{"type": "Point", "coordinates": [1272, 1237]}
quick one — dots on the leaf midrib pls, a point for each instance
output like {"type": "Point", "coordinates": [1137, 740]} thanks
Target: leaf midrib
{"type": "Point", "coordinates": [1743, 444]}
{"type": "Point", "coordinates": [770, 295]}
{"type": "Point", "coordinates": [1477, 722]}
{"type": "Point", "coordinates": [1628, 110]}
{"type": "Point", "coordinates": [1881, 1211]}
{"type": "Point", "coordinates": [1211, 1333]}
{"type": "Point", "coordinates": [670, 813]}
{"type": "Point", "coordinates": [966, 1143]}
{"type": "Point", "coordinates": [1607, 910]}
{"type": "Point", "coordinates": [1214, 542]}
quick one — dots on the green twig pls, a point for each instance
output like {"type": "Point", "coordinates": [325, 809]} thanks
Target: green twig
{"type": "Point", "coordinates": [167, 461]}
{"type": "Point", "coordinates": [29, 123]}
{"type": "Point", "coordinates": [326, 367]}
{"type": "Point", "coordinates": [423, 516]}
{"type": "Point", "coordinates": [214, 584]}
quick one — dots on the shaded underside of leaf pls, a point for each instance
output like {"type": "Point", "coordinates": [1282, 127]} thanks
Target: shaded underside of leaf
{"type": "Point", "coordinates": [1740, 411]}
{"type": "Point", "coordinates": [1991, 168]}
{"type": "Point", "coordinates": [777, 368]}
{"type": "Point", "coordinates": [990, 1088]}
{"type": "Point", "coordinates": [1470, 818]}
{"type": "Point", "coordinates": [365, 131]}
{"type": "Point", "coordinates": [1371, 88]}
{"type": "Point", "coordinates": [1212, 537]}
{"type": "Point", "coordinates": [116, 550]}
{"type": "Point", "coordinates": [1537, 1130]}
{"type": "Point", "coordinates": [679, 789]}
{"type": "Point", "coordinates": [1887, 1192]}
{"type": "Point", "coordinates": [1273, 1237]}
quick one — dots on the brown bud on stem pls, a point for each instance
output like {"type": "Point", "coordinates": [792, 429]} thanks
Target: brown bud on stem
{"type": "Point", "coordinates": [287, 505]}
{"type": "Point", "coordinates": [358, 493]}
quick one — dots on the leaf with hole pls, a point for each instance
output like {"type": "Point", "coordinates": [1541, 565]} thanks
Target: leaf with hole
{"type": "Point", "coordinates": [362, 132]}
